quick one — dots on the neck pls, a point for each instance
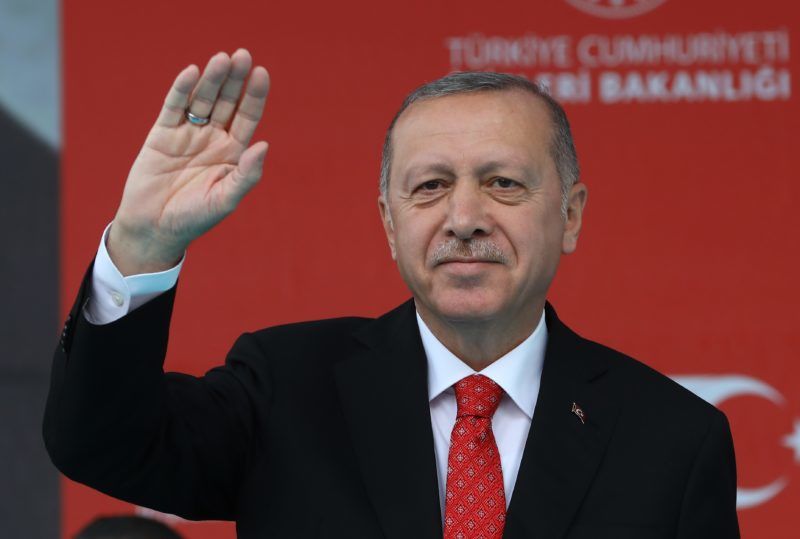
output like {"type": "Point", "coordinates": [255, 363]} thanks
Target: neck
{"type": "Point", "coordinates": [481, 342]}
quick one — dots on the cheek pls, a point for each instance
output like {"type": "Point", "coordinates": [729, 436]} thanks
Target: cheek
{"type": "Point", "coordinates": [537, 245]}
{"type": "Point", "coordinates": [413, 239]}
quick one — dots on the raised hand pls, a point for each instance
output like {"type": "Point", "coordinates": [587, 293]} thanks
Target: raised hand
{"type": "Point", "coordinates": [188, 177]}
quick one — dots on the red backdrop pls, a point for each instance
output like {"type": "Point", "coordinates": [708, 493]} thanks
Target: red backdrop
{"type": "Point", "coordinates": [685, 119]}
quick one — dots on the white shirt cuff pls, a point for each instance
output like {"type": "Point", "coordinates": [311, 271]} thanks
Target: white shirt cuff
{"type": "Point", "coordinates": [113, 296]}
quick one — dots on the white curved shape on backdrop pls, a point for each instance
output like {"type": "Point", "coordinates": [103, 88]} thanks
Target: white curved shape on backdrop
{"type": "Point", "coordinates": [751, 497]}
{"type": "Point", "coordinates": [615, 10]}
{"type": "Point", "coordinates": [716, 389]}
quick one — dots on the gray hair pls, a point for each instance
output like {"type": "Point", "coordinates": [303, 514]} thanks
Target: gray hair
{"type": "Point", "coordinates": [562, 147]}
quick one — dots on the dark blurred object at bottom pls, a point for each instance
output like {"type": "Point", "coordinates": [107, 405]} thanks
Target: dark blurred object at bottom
{"type": "Point", "coordinates": [126, 527]}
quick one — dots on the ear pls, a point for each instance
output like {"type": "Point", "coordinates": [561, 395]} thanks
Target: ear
{"type": "Point", "coordinates": [388, 226]}
{"type": "Point", "coordinates": [576, 202]}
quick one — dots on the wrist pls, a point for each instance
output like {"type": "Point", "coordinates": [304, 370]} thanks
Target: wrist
{"type": "Point", "coordinates": [135, 254]}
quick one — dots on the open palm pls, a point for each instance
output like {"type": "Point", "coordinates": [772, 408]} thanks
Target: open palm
{"type": "Point", "coordinates": [188, 177]}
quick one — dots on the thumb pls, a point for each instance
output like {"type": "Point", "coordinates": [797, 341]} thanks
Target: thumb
{"type": "Point", "coordinates": [247, 172]}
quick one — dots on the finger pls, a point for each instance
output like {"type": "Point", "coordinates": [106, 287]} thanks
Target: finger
{"type": "Point", "coordinates": [232, 89]}
{"type": "Point", "coordinates": [251, 106]}
{"type": "Point", "coordinates": [178, 97]}
{"type": "Point", "coordinates": [246, 175]}
{"type": "Point", "coordinates": [205, 94]}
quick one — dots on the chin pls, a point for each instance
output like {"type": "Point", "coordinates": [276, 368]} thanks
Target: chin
{"type": "Point", "coordinates": [474, 307]}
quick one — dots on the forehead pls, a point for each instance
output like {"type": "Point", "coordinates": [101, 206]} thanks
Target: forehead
{"type": "Point", "coordinates": [471, 124]}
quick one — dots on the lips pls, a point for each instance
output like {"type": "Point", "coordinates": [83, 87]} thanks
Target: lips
{"type": "Point", "coordinates": [460, 260]}
{"type": "Point", "coordinates": [470, 268]}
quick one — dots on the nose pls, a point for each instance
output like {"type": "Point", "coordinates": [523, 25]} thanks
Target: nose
{"type": "Point", "coordinates": [467, 212]}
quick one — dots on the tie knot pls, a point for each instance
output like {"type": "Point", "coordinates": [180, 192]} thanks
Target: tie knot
{"type": "Point", "coordinates": [478, 396]}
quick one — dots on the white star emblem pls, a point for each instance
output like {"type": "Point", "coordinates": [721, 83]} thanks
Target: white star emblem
{"type": "Point", "coordinates": [792, 441]}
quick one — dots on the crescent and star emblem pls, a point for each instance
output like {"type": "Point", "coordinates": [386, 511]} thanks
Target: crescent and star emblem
{"type": "Point", "coordinates": [716, 389]}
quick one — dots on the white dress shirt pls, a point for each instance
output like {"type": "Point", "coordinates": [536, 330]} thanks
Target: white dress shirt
{"type": "Point", "coordinates": [519, 372]}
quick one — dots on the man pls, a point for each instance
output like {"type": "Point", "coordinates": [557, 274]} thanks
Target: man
{"type": "Point", "coordinates": [469, 412]}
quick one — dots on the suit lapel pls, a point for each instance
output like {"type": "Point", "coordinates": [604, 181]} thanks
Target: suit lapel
{"type": "Point", "coordinates": [384, 394]}
{"type": "Point", "coordinates": [562, 454]}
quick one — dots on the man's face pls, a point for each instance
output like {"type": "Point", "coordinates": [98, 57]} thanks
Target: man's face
{"type": "Point", "coordinates": [473, 212]}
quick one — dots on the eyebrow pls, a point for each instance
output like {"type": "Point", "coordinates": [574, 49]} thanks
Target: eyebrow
{"type": "Point", "coordinates": [533, 173]}
{"type": "Point", "coordinates": [435, 167]}
{"type": "Point", "coordinates": [491, 166]}
{"type": "Point", "coordinates": [444, 169]}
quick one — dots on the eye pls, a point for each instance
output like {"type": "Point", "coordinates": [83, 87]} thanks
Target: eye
{"type": "Point", "coordinates": [504, 183]}
{"type": "Point", "coordinates": [431, 185]}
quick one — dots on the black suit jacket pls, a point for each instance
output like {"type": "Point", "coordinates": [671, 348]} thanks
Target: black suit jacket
{"type": "Point", "coordinates": [322, 429]}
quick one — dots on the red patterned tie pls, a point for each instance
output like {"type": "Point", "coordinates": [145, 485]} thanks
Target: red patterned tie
{"type": "Point", "coordinates": [475, 506]}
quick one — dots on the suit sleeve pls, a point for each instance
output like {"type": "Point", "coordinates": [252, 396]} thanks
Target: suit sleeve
{"type": "Point", "coordinates": [172, 442]}
{"type": "Point", "coordinates": [709, 502]}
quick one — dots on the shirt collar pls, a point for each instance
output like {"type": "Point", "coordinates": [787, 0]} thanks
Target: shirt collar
{"type": "Point", "coordinates": [519, 372]}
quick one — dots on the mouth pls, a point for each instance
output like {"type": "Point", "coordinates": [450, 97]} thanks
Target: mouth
{"type": "Point", "coordinates": [465, 265]}
{"type": "Point", "coordinates": [466, 260]}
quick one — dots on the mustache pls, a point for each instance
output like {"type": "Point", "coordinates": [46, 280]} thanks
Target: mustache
{"type": "Point", "coordinates": [478, 250]}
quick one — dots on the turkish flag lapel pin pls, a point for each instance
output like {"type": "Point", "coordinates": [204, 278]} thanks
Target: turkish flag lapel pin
{"type": "Point", "coordinates": [578, 411]}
